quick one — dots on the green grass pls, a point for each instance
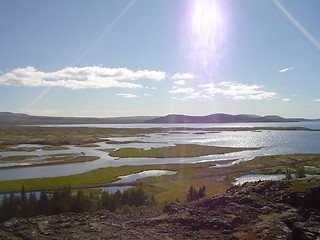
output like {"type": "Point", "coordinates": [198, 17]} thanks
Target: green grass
{"type": "Point", "coordinates": [17, 157]}
{"type": "Point", "coordinates": [178, 190]}
{"type": "Point", "coordinates": [101, 175]}
{"type": "Point", "coordinates": [177, 151]}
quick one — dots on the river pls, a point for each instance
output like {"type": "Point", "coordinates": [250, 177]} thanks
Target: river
{"type": "Point", "coordinates": [270, 142]}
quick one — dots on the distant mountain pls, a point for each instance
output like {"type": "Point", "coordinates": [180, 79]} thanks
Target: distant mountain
{"type": "Point", "coordinates": [222, 118]}
{"type": "Point", "coordinates": [8, 118]}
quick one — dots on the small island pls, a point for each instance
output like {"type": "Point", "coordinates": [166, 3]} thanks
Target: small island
{"type": "Point", "coordinates": [177, 151]}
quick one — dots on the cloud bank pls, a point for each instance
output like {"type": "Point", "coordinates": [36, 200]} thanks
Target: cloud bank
{"type": "Point", "coordinates": [79, 77]}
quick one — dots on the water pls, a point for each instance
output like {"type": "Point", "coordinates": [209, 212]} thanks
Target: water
{"type": "Point", "coordinates": [144, 174]}
{"type": "Point", "coordinates": [257, 177]}
{"type": "Point", "coordinates": [270, 142]}
{"type": "Point", "coordinates": [112, 190]}
{"type": "Point", "coordinates": [263, 177]}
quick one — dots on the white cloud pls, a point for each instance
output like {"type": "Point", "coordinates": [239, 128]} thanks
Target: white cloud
{"type": "Point", "coordinates": [126, 95]}
{"type": "Point", "coordinates": [233, 90]}
{"type": "Point", "coordinates": [179, 82]}
{"type": "Point", "coordinates": [286, 99]}
{"type": "Point", "coordinates": [183, 76]}
{"type": "Point", "coordinates": [182, 90]}
{"type": "Point", "coordinates": [286, 69]}
{"type": "Point", "coordinates": [317, 100]}
{"type": "Point", "coordinates": [238, 91]}
{"type": "Point", "coordinates": [147, 94]}
{"type": "Point", "coordinates": [79, 77]}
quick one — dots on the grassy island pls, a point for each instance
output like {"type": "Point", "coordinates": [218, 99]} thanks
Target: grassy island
{"type": "Point", "coordinates": [177, 151]}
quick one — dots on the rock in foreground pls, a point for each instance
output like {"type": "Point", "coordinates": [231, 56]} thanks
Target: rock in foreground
{"type": "Point", "coordinates": [262, 210]}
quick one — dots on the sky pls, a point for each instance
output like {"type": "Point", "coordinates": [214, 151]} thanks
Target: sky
{"type": "Point", "coordinates": [113, 58]}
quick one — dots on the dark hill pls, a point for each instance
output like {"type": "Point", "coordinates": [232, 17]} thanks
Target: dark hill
{"type": "Point", "coordinates": [7, 118]}
{"type": "Point", "coordinates": [221, 118]}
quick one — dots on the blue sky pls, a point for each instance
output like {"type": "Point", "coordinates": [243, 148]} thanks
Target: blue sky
{"type": "Point", "coordinates": [140, 57]}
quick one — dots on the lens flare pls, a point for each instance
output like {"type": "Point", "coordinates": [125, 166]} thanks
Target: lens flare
{"type": "Point", "coordinates": [205, 35]}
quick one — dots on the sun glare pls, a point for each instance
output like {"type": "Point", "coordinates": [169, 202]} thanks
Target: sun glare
{"type": "Point", "coordinates": [206, 30]}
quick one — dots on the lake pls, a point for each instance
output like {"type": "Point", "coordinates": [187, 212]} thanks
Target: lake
{"type": "Point", "coordinates": [270, 142]}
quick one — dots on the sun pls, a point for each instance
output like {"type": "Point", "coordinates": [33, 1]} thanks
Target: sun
{"type": "Point", "coordinates": [206, 32]}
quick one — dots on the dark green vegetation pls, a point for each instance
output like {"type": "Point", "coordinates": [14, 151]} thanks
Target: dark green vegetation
{"type": "Point", "coordinates": [177, 151]}
{"type": "Point", "coordinates": [193, 194]}
{"type": "Point", "coordinates": [64, 201]}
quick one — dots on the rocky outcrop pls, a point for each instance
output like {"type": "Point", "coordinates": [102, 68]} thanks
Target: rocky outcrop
{"type": "Point", "coordinates": [262, 210]}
